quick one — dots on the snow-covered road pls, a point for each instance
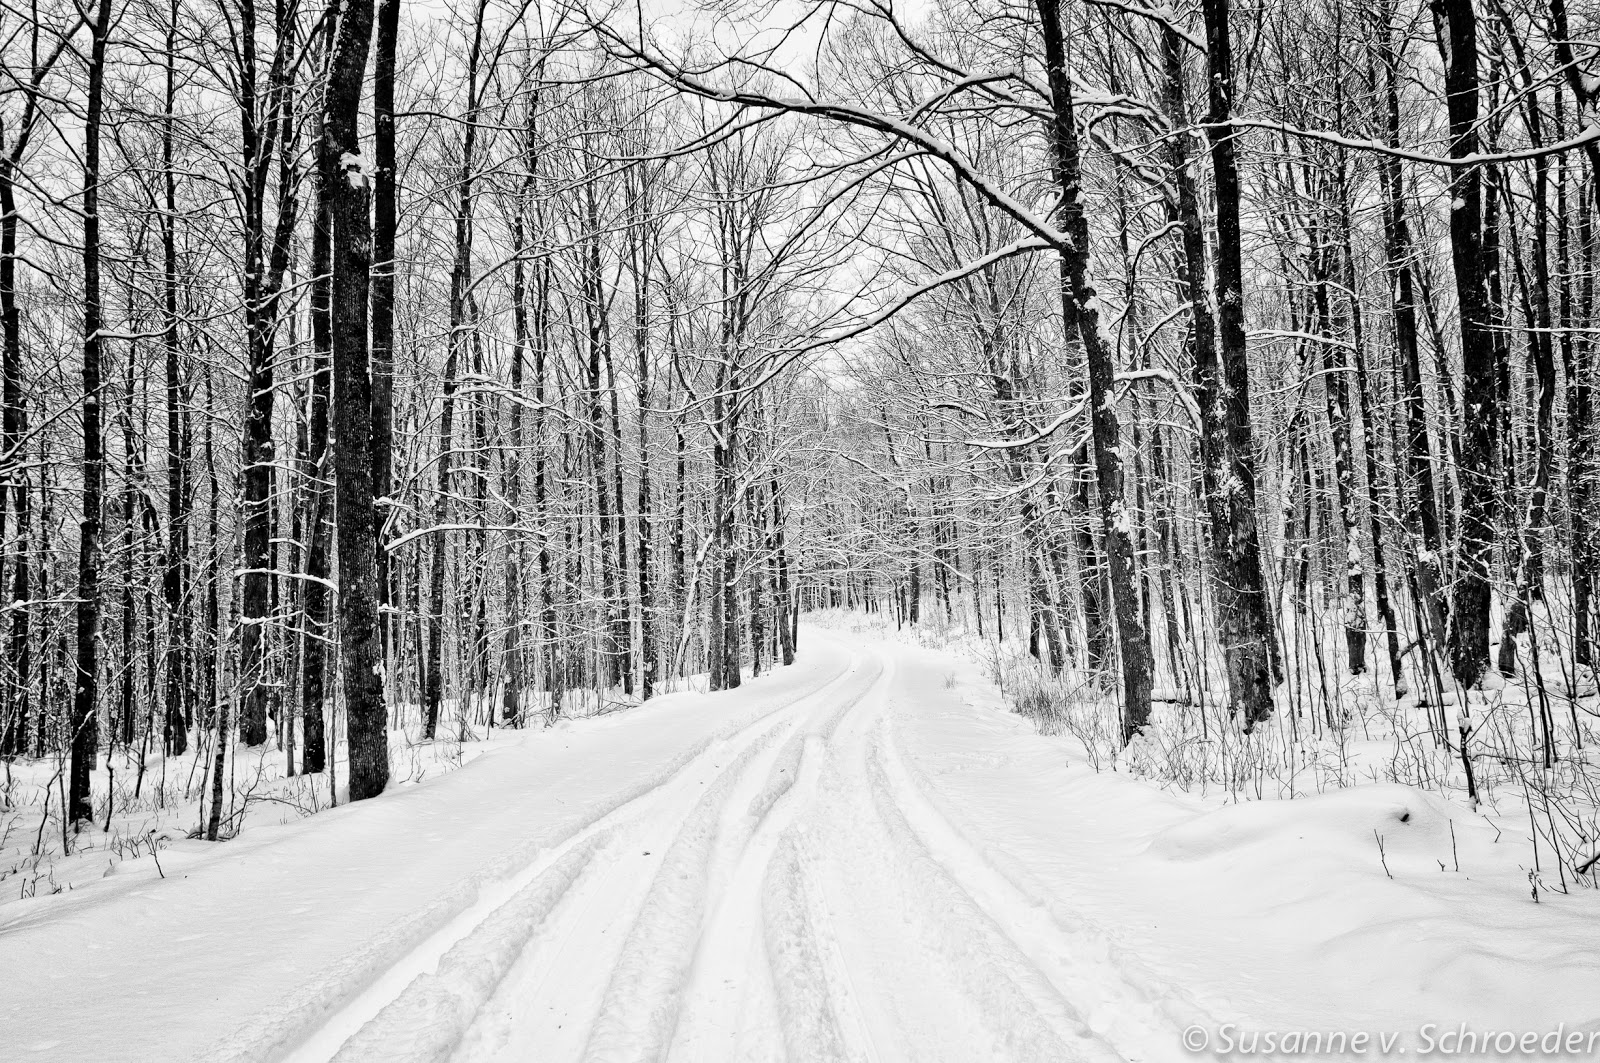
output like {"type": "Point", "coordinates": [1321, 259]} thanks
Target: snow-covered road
{"type": "Point", "coordinates": [734, 877]}
{"type": "Point", "coordinates": [862, 857]}
{"type": "Point", "coordinates": [784, 894]}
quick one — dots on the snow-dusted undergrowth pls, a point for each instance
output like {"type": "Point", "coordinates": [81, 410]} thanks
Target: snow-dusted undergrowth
{"type": "Point", "coordinates": [150, 818]}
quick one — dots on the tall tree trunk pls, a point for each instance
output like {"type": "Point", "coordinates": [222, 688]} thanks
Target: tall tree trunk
{"type": "Point", "coordinates": [1456, 25]}
{"type": "Point", "coordinates": [257, 448]}
{"type": "Point", "coordinates": [1535, 289]}
{"type": "Point", "coordinates": [785, 602]}
{"type": "Point", "coordinates": [385, 224]}
{"type": "Point", "coordinates": [611, 651]}
{"type": "Point", "coordinates": [1223, 394]}
{"type": "Point", "coordinates": [360, 650]}
{"type": "Point", "coordinates": [315, 602]}
{"type": "Point", "coordinates": [210, 655]}
{"type": "Point", "coordinates": [1222, 384]}
{"type": "Point", "coordinates": [1578, 355]}
{"type": "Point", "coordinates": [622, 622]}
{"type": "Point", "coordinates": [1377, 493]}
{"type": "Point", "coordinates": [553, 666]}
{"type": "Point", "coordinates": [516, 551]}
{"type": "Point", "coordinates": [1336, 393]}
{"type": "Point", "coordinates": [1079, 310]}
{"type": "Point", "coordinates": [86, 687]}
{"type": "Point", "coordinates": [641, 251]}
{"type": "Point", "coordinates": [460, 283]}
{"type": "Point", "coordinates": [175, 577]}
{"type": "Point", "coordinates": [132, 475]}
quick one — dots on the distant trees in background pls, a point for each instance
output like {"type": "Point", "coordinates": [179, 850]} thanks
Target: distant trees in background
{"type": "Point", "coordinates": [1250, 345]}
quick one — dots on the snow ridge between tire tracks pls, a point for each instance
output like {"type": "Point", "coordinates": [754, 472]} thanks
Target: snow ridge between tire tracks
{"type": "Point", "coordinates": [639, 1016]}
{"type": "Point", "coordinates": [640, 1005]}
{"type": "Point", "coordinates": [819, 1004]}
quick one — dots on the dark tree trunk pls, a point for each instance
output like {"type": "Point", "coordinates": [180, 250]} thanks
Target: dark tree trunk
{"type": "Point", "coordinates": [460, 282]}
{"type": "Point", "coordinates": [313, 665]}
{"type": "Point", "coordinates": [1581, 475]}
{"type": "Point", "coordinates": [1222, 385]}
{"type": "Point", "coordinates": [516, 553]}
{"type": "Point", "coordinates": [1578, 351]}
{"type": "Point", "coordinates": [754, 510]}
{"type": "Point", "coordinates": [727, 575]}
{"type": "Point", "coordinates": [1378, 497]}
{"type": "Point", "coordinates": [433, 682]}
{"type": "Point", "coordinates": [1469, 614]}
{"type": "Point", "coordinates": [785, 603]}
{"type": "Point", "coordinates": [1336, 394]}
{"type": "Point", "coordinates": [648, 664]}
{"type": "Point", "coordinates": [360, 649]}
{"type": "Point", "coordinates": [14, 701]}
{"type": "Point", "coordinates": [1079, 309]}
{"type": "Point", "coordinates": [86, 688]}
{"type": "Point", "coordinates": [622, 618]}
{"type": "Point", "coordinates": [257, 454]}
{"type": "Point", "coordinates": [385, 222]}
{"type": "Point", "coordinates": [208, 659]}
{"type": "Point", "coordinates": [554, 675]}
{"type": "Point", "coordinates": [315, 602]}
{"type": "Point", "coordinates": [1535, 289]}
{"type": "Point", "coordinates": [175, 577]}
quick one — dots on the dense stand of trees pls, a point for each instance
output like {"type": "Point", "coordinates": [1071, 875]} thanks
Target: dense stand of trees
{"type": "Point", "coordinates": [441, 372]}
{"type": "Point", "coordinates": [474, 416]}
{"type": "Point", "coordinates": [1238, 330]}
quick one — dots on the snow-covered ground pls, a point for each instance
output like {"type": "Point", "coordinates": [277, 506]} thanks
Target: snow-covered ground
{"type": "Point", "coordinates": [151, 817]}
{"type": "Point", "coordinates": [863, 857]}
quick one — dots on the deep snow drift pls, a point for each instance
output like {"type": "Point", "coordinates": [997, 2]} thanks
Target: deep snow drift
{"type": "Point", "coordinates": [864, 856]}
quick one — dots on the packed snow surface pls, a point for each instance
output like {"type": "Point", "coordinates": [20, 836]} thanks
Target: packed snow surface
{"type": "Point", "coordinates": [862, 857]}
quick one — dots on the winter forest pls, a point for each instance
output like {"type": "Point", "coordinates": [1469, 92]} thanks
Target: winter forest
{"type": "Point", "coordinates": [1077, 418]}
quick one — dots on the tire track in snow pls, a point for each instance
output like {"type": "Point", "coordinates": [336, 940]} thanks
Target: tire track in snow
{"type": "Point", "coordinates": [681, 960]}
{"type": "Point", "coordinates": [604, 976]}
{"type": "Point", "coordinates": [385, 986]}
{"type": "Point", "coordinates": [916, 969]}
{"type": "Point", "coordinates": [732, 939]}
{"type": "Point", "coordinates": [1139, 1024]}
{"type": "Point", "coordinates": [823, 1014]}
{"type": "Point", "coordinates": [426, 1021]}
{"type": "Point", "coordinates": [548, 1005]}
{"type": "Point", "coordinates": [807, 1008]}
{"type": "Point", "coordinates": [1017, 1000]}
{"type": "Point", "coordinates": [641, 1001]}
